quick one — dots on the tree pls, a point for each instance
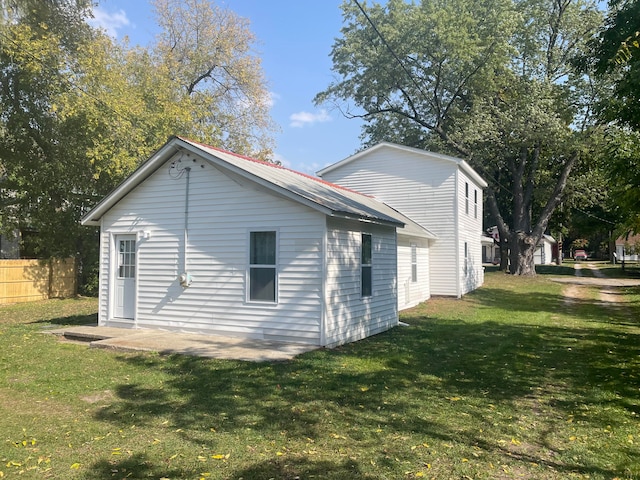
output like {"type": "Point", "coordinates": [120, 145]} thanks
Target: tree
{"type": "Point", "coordinates": [207, 51]}
{"type": "Point", "coordinates": [488, 80]}
{"type": "Point", "coordinates": [615, 56]}
{"type": "Point", "coordinates": [615, 52]}
{"type": "Point", "coordinates": [80, 111]}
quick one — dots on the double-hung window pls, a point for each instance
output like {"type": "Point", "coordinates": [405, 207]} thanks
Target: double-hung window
{"type": "Point", "coordinates": [366, 284]}
{"type": "Point", "coordinates": [262, 266]}
{"type": "Point", "coordinates": [414, 263]}
{"type": "Point", "coordinates": [475, 204]}
{"type": "Point", "coordinates": [466, 198]}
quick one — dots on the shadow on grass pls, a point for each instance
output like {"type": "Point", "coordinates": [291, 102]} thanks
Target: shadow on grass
{"type": "Point", "coordinates": [91, 319]}
{"type": "Point", "coordinates": [136, 466]}
{"type": "Point", "coordinates": [304, 468]}
{"type": "Point", "coordinates": [401, 380]}
{"type": "Point", "coordinates": [420, 365]}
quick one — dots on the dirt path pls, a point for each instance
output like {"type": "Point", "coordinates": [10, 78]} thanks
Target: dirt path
{"type": "Point", "coordinates": [610, 288]}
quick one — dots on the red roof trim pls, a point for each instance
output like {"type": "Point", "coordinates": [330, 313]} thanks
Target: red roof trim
{"type": "Point", "coordinates": [273, 165]}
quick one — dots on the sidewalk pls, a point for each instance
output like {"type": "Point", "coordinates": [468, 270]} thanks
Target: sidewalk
{"type": "Point", "coordinates": [166, 343]}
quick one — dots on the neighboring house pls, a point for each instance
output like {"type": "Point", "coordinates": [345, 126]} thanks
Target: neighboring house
{"type": "Point", "coordinates": [490, 250]}
{"type": "Point", "coordinates": [628, 248]}
{"type": "Point", "coordinates": [546, 251]}
{"type": "Point", "coordinates": [202, 240]}
{"type": "Point", "coordinates": [441, 193]}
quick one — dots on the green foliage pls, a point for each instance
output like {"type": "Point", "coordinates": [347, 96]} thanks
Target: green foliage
{"type": "Point", "coordinates": [616, 53]}
{"type": "Point", "coordinates": [491, 81]}
{"type": "Point", "coordinates": [80, 111]}
{"type": "Point", "coordinates": [615, 56]}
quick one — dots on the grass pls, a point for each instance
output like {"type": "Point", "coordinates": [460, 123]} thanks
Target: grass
{"type": "Point", "coordinates": [508, 382]}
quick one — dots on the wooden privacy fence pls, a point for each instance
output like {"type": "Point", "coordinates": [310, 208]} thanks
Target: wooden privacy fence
{"type": "Point", "coordinates": [30, 280]}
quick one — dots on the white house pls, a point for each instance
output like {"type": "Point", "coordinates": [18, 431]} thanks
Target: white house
{"type": "Point", "coordinates": [202, 240]}
{"type": "Point", "coordinates": [546, 251]}
{"type": "Point", "coordinates": [490, 250]}
{"type": "Point", "coordinates": [439, 192]}
{"type": "Point", "coordinates": [628, 248]}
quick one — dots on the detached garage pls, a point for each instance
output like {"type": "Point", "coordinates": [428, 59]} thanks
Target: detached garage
{"type": "Point", "coordinates": [202, 240]}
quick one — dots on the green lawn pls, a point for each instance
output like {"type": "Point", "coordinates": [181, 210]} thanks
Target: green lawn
{"type": "Point", "coordinates": [509, 382]}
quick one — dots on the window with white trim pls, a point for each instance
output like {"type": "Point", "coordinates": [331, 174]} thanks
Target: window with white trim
{"type": "Point", "coordinates": [414, 263]}
{"type": "Point", "coordinates": [466, 258]}
{"type": "Point", "coordinates": [466, 198]}
{"type": "Point", "coordinates": [366, 280]}
{"type": "Point", "coordinates": [262, 266]}
{"type": "Point", "coordinates": [475, 204]}
{"type": "Point", "coordinates": [127, 259]}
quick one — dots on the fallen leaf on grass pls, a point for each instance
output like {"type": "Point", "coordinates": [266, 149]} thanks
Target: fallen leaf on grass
{"type": "Point", "coordinates": [75, 466]}
{"type": "Point", "coordinates": [220, 456]}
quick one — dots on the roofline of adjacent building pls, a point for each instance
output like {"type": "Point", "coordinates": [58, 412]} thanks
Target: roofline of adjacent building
{"type": "Point", "coordinates": [464, 166]}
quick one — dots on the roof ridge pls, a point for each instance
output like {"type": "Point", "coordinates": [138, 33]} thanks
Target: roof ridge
{"type": "Point", "coordinates": [281, 167]}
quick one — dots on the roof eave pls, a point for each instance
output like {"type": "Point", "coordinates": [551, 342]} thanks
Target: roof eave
{"type": "Point", "coordinates": [92, 218]}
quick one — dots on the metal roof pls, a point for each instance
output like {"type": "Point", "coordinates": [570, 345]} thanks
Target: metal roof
{"type": "Point", "coordinates": [314, 192]}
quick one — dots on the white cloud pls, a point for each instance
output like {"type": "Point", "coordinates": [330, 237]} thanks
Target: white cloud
{"type": "Point", "coordinates": [109, 22]}
{"type": "Point", "coordinates": [300, 119]}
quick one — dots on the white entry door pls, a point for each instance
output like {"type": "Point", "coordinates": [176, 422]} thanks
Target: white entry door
{"type": "Point", "coordinates": [125, 281]}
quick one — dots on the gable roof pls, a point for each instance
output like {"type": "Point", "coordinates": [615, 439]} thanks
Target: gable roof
{"type": "Point", "coordinates": [328, 198]}
{"type": "Point", "coordinates": [630, 238]}
{"type": "Point", "coordinates": [462, 164]}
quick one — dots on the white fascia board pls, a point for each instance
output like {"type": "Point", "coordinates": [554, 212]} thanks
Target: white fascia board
{"type": "Point", "coordinates": [92, 218]}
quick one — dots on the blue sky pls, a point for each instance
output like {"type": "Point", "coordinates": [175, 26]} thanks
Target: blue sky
{"type": "Point", "coordinates": [294, 42]}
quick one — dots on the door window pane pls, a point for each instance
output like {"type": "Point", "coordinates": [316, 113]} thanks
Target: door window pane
{"type": "Point", "coordinates": [127, 259]}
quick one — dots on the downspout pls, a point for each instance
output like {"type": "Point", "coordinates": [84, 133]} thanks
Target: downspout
{"type": "Point", "coordinates": [323, 288]}
{"type": "Point", "coordinates": [456, 231]}
{"type": "Point", "coordinates": [185, 278]}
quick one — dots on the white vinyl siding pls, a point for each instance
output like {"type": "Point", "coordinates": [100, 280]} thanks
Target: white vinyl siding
{"type": "Point", "coordinates": [223, 210]}
{"type": "Point", "coordinates": [349, 316]}
{"type": "Point", "coordinates": [411, 293]}
{"type": "Point", "coordinates": [423, 189]}
{"type": "Point", "coordinates": [471, 272]}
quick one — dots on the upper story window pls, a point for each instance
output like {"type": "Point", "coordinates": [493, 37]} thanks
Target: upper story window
{"type": "Point", "coordinates": [262, 266]}
{"type": "Point", "coordinates": [366, 283]}
{"type": "Point", "coordinates": [466, 198]}
{"type": "Point", "coordinates": [475, 204]}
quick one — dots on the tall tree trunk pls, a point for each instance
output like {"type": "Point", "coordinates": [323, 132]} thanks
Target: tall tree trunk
{"type": "Point", "coordinates": [523, 247]}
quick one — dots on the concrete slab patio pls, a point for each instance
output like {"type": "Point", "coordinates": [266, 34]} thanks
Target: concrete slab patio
{"type": "Point", "coordinates": [166, 343]}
